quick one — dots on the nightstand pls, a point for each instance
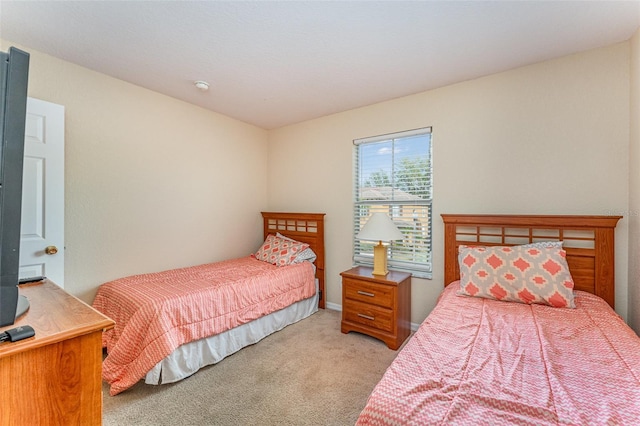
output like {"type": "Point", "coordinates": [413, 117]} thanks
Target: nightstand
{"type": "Point", "coordinates": [377, 305]}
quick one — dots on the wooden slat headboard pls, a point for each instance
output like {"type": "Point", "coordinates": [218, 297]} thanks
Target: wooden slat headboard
{"type": "Point", "coordinates": [588, 241]}
{"type": "Point", "coordinates": [304, 227]}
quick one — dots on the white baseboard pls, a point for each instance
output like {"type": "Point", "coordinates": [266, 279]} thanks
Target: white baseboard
{"type": "Point", "coordinates": [333, 306]}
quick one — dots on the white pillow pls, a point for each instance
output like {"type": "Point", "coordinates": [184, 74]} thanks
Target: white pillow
{"type": "Point", "coordinates": [544, 244]}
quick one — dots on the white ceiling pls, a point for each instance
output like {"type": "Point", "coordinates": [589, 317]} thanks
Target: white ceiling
{"type": "Point", "coordinates": [273, 63]}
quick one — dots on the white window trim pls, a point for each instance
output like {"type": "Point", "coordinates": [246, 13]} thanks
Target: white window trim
{"type": "Point", "coordinates": [422, 270]}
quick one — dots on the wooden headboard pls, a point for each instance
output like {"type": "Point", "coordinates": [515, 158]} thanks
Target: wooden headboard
{"type": "Point", "coordinates": [307, 228]}
{"type": "Point", "coordinates": [588, 241]}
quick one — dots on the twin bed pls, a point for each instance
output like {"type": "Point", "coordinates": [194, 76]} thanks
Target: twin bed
{"type": "Point", "coordinates": [476, 360]}
{"type": "Point", "coordinates": [567, 358]}
{"type": "Point", "coordinates": [172, 323]}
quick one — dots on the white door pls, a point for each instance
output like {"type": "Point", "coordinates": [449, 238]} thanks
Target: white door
{"type": "Point", "coordinates": [42, 230]}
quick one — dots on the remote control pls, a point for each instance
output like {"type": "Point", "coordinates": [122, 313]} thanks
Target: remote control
{"type": "Point", "coordinates": [18, 333]}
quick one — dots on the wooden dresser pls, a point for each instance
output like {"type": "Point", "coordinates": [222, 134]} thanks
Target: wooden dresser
{"type": "Point", "coordinates": [379, 306]}
{"type": "Point", "coordinates": [53, 378]}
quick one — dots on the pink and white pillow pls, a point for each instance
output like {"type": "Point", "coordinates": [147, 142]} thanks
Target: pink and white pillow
{"type": "Point", "coordinates": [279, 251]}
{"type": "Point", "coordinates": [305, 255]}
{"type": "Point", "coordinates": [522, 274]}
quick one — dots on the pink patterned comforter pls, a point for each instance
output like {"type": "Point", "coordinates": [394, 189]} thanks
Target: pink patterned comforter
{"type": "Point", "coordinates": [156, 313]}
{"type": "Point", "coordinates": [483, 362]}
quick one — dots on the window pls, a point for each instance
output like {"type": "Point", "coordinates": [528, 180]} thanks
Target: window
{"type": "Point", "coordinates": [393, 175]}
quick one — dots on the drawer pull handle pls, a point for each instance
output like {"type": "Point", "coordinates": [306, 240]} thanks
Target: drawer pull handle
{"type": "Point", "coordinates": [366, 293]}
{"type": "Point", "coordinates": [370, 318]}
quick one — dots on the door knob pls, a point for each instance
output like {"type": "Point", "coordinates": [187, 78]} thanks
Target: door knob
{"type": "Point", "coordinates": [51, 250]}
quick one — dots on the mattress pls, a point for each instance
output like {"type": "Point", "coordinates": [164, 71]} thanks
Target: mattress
{"type": "Point", "coordinates": [480, 361]}
{"type": "Point", "coordinates": [157, 313]}
{"type": "Point", "coordinates": [190, 357]}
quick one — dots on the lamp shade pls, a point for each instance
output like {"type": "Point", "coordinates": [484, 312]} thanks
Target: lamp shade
{"type": "Point", "coordinates": [379, 227]}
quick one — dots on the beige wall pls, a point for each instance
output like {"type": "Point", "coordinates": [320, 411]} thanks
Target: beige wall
{"type": "Point", "coordinates": [151, 183]}
{"type": "Point", "coordinates": [634, 187]}
{"type": "Point", "coordinates": [550, 138]}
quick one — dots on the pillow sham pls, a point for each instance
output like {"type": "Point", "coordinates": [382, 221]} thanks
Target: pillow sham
{"type": "Point", "coordinates": [279, 251]}
{"type": "Point", "coordinates": [516, 274]}
{"type": "Point", "coordinates": [305, 255]}
{"type": "Point", "coordinates": [543, 244]}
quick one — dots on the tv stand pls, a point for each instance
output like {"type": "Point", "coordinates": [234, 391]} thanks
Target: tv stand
{"type": "Point", "coordinates": [23, 306]}
{"type": "Point", "coordinates": [54, 378]}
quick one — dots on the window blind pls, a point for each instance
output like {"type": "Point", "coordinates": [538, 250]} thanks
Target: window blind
{"type": "Point", "coordinates": [393, 174]}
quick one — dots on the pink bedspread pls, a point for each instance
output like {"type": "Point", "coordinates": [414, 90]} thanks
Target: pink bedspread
{"type": "Point", "coordinates": [483, 362]}
{"type": "Point", "coordinates": [156, 313]}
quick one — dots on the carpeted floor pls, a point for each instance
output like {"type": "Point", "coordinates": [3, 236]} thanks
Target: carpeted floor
{"type": "Point", "coordinates": [307, 374]}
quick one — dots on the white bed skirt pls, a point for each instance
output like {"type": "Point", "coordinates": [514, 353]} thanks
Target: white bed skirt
{"type": "Point", "coordinates": [191, 357]}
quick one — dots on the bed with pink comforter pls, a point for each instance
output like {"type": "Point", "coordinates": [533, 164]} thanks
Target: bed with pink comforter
{"type": "Point", "coordinates": [479, 361]}
{"type": "Point", "coordinates": [156, 313]}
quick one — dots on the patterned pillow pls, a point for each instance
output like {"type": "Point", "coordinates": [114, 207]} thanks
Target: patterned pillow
{"type": "Point", "coordinates": [516, 274]}
{"type": "Point", "coordinates": [279, 251]}
{"type": "Point", "coordinates": [304, 255]}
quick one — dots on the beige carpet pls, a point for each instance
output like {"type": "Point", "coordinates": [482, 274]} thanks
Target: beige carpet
{"type": "Point", "coordinates": [307, 374]}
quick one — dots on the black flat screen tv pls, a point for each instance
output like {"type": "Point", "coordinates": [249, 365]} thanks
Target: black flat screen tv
{"type": "Point", "coordinates": [14, 76]}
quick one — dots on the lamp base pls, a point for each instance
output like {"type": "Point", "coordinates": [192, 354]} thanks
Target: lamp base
{"type": "Point", "coordinates": [380, 260]}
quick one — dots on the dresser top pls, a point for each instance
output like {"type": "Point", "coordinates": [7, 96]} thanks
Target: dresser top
{"type": "Point", "coordinates": [55, 315]}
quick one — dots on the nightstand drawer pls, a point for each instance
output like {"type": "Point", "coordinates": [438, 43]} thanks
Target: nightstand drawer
{"type": "Point", "coordinates": [370, 293]}
{"type": "Point", "coordinates": [368, 315]}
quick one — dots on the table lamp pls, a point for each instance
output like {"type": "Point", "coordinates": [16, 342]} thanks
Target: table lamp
{"type": "Point", "coordinates": [380, 228]}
